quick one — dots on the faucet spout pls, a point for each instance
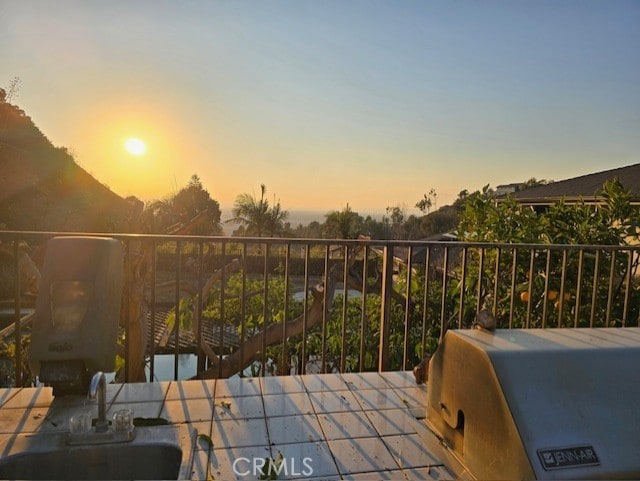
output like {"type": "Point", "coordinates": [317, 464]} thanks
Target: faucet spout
{"type": "Point", "coordinates": [98, 387]}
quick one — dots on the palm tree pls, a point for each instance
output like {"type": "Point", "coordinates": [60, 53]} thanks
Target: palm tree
{"type": "Point", "coordinates": [257, 217]}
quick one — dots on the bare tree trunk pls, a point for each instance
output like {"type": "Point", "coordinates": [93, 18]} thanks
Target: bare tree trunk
{"type": "Point", "coordinates": [216, 277]}
{"type": "Point", "coordinates": [134, 306]}
{"type": "Point", "coordinates": [273, 334]}
{"type": "Point", "coordinates": [237, 361]}
{"type": "Point", "coordinates": [134, 309]}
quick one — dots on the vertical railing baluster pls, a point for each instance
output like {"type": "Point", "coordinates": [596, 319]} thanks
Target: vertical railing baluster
{"type": "Point", "coordinates": [265, 310]}
{"type": "Point", "coordinates": [407, 316]}
{"type": "Point", "coordinates": [16, 313]}
{"type": "Point", "coordinates": [479, 298]}
{"type": "Point", "coordinates": [243, 308]}
{"type": "Point", "coordinates": [594, 293]}
{"type": "Point", "coordinates": [546, 289]}
{"type": "Point", "coordinates": [199, 302]}
{"type": "Point", "coordinates": [463, 279]}
{"type": "Point", "coordinates": [126, 299]}
{"type": "Point", "coordinates": [512, 300]}
{"type": "Point", "coordinates": [285, 320]}
{"type": "Point", "coordinates": [532, 259]}
{"type": "Point", "coordinates": [425, 303]}
{"type": "Point", "coordinates": [363, 318]}
{"type": "Point", "coordinates": [176, 325]}
{"type": "Point", "coordinates": [345, 302]}
{"type": "Point", "coordinates": [384, 361]}
{"type": "Point", "coordinates": [443, 306]}
{"type": "Point", "coordinates": [325, 310]}
{"type": "Point", "coordinates": [495, 283]}
{"type": "Point", "coordinates": [303, 361]}
{"type": "Point", "coordinates": [612, 269]}
{"type": "Point", "coordinates": [562, 286]}
{"type": "Point", "coordinates": [223, 257]}
{"type": "Point", "coordinates": [152, 334]}
{"type": "Point", "coordinates": [576, 319]}
{"type": "Point", "coordinates": [627, 288]}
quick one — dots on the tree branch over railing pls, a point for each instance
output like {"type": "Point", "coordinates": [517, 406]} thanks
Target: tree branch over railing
{"type": "Point", "coordinates": [252, 348]}
{"type": "Point", "coordinates": [237, 361]}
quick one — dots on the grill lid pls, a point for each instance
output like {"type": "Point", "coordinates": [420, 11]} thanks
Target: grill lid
{"type": "Point", "coordinates": [539, 403]}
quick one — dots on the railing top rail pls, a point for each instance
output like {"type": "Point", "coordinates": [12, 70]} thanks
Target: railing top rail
{"type": "Point", "coordinates": [314, 241]}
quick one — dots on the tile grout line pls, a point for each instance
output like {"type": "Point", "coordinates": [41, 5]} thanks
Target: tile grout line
{"type": "Point", "coordinates": [379, 436]}
{"type": "Point", "coordinates": [264, 417]}
{"type": "Point", "coordinates": [211, 446]}
{"type": "Point", "coordinates": [324, 435]}
{"type": "Point", "coordinates": [412, 420]}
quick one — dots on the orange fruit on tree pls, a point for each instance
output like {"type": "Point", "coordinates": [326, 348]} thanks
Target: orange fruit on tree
{"type": "Point", "coordinates": [552, 295]}
{"type": "Point", "coordinates": [524, 296]}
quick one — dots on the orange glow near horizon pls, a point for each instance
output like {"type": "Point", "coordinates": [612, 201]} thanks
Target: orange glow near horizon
{"type": "Point", "coordinates": [135, 150]}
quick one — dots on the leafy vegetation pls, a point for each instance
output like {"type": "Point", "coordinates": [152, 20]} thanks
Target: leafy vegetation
{"type": "Point", "coordinates": [602, 281]}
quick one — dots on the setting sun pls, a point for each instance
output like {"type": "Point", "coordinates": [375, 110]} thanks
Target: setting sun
{"type": "Point", "coordinates": [135, 146]}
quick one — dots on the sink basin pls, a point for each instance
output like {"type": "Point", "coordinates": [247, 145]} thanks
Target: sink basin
{"type": "Point", "coordinates": [159, 452]}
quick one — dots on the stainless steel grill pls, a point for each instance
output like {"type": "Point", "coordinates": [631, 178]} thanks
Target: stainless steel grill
{"type": "Point", "coordinates": [538, 403]}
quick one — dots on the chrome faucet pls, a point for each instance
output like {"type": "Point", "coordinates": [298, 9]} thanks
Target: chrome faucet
{"type": "Point", "coordinates": [123, 430]}
{"type": "Point", "coordinates": [98, 387]}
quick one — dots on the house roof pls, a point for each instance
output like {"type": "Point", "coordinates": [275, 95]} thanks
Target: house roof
{"type": "Point", "coordinates": [582, 187]}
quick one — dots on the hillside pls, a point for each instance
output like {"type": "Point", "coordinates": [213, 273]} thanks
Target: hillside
{"type": "Point", "coordinates": [43, 188]}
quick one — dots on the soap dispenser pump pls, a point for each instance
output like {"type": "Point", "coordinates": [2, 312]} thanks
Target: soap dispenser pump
{"type": "Point", "coordinates": [75, 326]}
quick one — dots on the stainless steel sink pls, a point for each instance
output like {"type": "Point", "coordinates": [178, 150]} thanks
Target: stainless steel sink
{"type": "Point", "coordinates": [158, 452]}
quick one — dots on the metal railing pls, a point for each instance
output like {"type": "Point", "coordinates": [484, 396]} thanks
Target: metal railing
{"type": "Point", "coordinates": [260, 305]}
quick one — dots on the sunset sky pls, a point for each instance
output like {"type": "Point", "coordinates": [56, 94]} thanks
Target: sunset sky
{"type": "Point", "coordinates": [370, 103]}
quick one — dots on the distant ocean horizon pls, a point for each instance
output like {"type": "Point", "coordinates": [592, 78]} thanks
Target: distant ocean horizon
{"type": "Point", "coordinates": [295, 218]}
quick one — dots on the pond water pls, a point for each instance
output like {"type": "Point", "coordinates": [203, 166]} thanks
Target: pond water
{"type": "Point", "coordinates": [163, 367]}
{"type": "Point", "coordinates": [187, 367]}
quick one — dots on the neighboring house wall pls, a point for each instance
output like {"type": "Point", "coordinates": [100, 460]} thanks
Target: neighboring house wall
{"type": "Point", "coordinates": [503, 190]}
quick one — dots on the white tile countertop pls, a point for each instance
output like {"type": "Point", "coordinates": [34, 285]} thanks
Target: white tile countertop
{"type": "Point", "coordinates": [323, 426]}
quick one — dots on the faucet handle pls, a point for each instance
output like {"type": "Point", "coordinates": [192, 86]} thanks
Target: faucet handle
{"type": "Point", "coordinates": [123, 420]}
{"type": "Point", "coordinates": [80, 423]}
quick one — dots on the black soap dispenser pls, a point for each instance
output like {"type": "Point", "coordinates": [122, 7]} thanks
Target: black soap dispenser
{"type": "Point", "coordinates": [75, 326]}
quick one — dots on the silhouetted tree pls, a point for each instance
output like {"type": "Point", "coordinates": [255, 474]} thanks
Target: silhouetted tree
{"type": "Point", "coordinates": [428, 201]}
{"type": "Point", "coordinates": [190, 201]}
{"type": "Point", "coordinates": [533, 182]}
{"type": "Point", "coordinates": [256, 217]}
{"type": "Point", "coordinates": [344, 224]}
{"type": "Point", "coordinates": [376, 229]}
{"type": "Point", "coordinates": [397, 217]}
{"type": "Point", "coordinates": [313, 230]}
